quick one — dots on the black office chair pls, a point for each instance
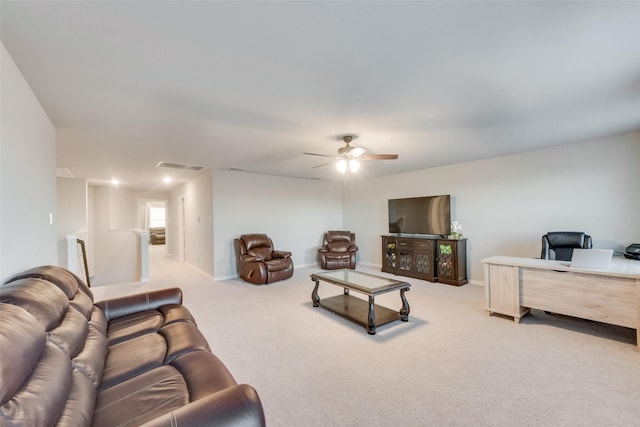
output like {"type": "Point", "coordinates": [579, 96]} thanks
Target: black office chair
{"type": "Point", "coordinates": [562, 244]}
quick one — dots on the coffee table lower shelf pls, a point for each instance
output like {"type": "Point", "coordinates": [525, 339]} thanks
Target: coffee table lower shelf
{"type": "Point", "coordinates": [357, 310]}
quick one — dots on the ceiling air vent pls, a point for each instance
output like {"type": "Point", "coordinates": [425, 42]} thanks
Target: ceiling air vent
{"type": "Point", "coordinates": [64, 173]}
{"type": "Point", "coordinates": [179, 166]}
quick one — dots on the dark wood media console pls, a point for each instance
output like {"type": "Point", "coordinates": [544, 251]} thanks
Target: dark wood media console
{"type": "Point", "coordinates": [432, 259]}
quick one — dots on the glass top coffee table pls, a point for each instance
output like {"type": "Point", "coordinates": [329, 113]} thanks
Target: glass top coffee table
{"type": "Point", "coordinates": [357, 309]}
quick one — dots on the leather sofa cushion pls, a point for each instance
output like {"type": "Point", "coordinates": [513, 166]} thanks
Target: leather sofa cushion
{"type": "Point", "coordinates": [78, 410]}
{"type": "Point", "coordinates": [90, 361]}
{"type": "Point", "coordinates": [252, 241]}
{"type": "Point", "coordinates": [337, 255]}
{"type": "Point", "coordinates": [182, 338]}
{"type": "Point", "coordinates": [339, 236]}
{"type": "Point", "coordinates": [148, 321]}
{"type": "Point", "coordinates": [45, 301]}
{"type": "Point", "coordinates": [132, 357]}
{"type": "Point", "coordinates": [140, 354]}
{"type": "Point", "coordinates": [278, 264]}
{"type": "Point", "coordinates": [148, 395]}
{"type": "Point", "coordinates": [176, 313]}
{"type": "Point", "coordinates": [262, 253]}
{"type": "Point", "coordinates": [204, 373]}
{"type": "Point", "coordinates": [339, 246]}
{"type": "Point", "coordinates": [134, 325]}
{"type": "Point", "coordinates": [70, 335]}
{"type": "Point", "coordinates": [258, 245]}
{"type": "Point", "coordinates": [42, 398]}
{"type": "Point", "coordinates": [68, 282]}
{"type": "Point", "coordinates": [83, 303]}
{"type": "Point", "coordinates": [22, 339]}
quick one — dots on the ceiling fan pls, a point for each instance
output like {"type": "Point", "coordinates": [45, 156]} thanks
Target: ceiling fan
{"type": "Point", "coordinates": [351, 155]}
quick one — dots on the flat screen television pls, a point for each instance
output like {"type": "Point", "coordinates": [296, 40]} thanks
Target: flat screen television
{"type": "Point", "coordinates": [420, 215]}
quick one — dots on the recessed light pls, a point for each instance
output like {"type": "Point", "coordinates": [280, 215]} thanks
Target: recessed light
{"type": "Point", "coordinates": [115, 182]}
{"type": "Point", "coordinates": [167, 180]}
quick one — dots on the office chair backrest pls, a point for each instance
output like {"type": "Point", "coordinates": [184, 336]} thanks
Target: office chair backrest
{"type": "Point", "coordinates": [562, 243]}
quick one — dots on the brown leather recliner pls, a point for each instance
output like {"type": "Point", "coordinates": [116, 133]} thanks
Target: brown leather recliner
{"type": "Point", "coordinates": [258, 262]}
{"type": "Point", "coordinates": [338, 250]}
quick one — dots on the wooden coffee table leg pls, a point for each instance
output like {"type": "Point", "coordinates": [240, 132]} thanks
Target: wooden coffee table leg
{"type": "Point", "coordinates": [371, 324]}
{"type": "Point", "coordinates": [314, 295]}
{"type": "Point", "coordinates": [404, 311]}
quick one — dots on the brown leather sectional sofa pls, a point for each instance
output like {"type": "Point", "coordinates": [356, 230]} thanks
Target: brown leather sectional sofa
{"type": "Point", "coordinates": [128, 361]}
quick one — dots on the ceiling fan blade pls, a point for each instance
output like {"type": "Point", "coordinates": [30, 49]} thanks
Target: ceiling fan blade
{"type": "Point", "coordinates": [379, 157]}
{"type": "Point", "coordinates": [321, 155]}
{"type": "Point", "coordinates": [320, 165]}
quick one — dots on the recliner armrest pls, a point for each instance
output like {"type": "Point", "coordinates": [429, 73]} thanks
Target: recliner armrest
{"type": "Point", "coordinates": [323, 249]}
{"type": "Point", "coordinates": [235, 406]}
{"type": "Point", "coordinates": [123, 306]}
{"type": "Point", "coordinates": [280, 254]}
{"type": "Point", "coordinates": [353, 248]}
{"type": "Point", "coordinates": [251, 258]}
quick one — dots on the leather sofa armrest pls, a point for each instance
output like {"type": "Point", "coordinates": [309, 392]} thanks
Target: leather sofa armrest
{"type": "Point", "coordinates": [118, 307]}
{"type": "Point", "coordinates": [237, 406]}
{"type": "Point", "coordinates": [353, 248]}
{"type": "Point", "coordinates": [323, 250]}
{"type": "Point", "coordinates": [251, 258]}
{"type": "Point", "coordinates": [280, 254]}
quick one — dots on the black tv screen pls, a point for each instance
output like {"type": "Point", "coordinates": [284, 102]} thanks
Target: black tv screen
{"type": "Point", "coordinates": [420, 215]}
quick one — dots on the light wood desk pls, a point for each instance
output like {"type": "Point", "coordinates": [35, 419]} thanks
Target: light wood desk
{"type": "Point", "coordinates": [515, 285]}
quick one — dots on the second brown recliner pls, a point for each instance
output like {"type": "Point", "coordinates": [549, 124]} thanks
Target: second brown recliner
{"type": "Point", "coordinates": [258, 262]}
{"type": "Point", "coordinates": [338, 250]}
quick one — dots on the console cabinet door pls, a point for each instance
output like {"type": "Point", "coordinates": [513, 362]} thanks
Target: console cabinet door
{"type": "Point", "coordinates": [424, 259]}
{"type": "Point", "coordinates": [389, 256]}
{"type": "Point", "coordinates": [404, 257]}
{"type": "Point", "coordinates": [452, 261]}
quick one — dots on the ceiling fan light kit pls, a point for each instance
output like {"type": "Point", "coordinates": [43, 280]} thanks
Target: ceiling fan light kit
{"type": "Point", "coordinates": [353, 164]}
{"type": "Point", "coordinates": [350, 157]}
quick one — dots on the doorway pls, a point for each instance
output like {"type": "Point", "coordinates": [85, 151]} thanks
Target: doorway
{"type": "Point", "coordinates": [152, 217]}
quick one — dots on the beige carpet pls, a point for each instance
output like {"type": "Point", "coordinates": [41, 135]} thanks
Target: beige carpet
{"type": "Point", "coordinates": [450, 365]}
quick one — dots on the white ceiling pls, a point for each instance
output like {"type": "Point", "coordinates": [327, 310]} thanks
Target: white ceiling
{"type": "Point", "coordinates": [252, 85]}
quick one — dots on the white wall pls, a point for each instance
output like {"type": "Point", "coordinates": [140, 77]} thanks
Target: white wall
{"type": "Point", "coordinates": [198, 222]}
{"type": "Point", "coordinates": [123, 207]}
{"type": "Point", "coordinates": [72, 212]}
{"type": "Point", "coordinates": [27, 176]}
{"type": "Point", "coordinates": [293, 212]}
{"type": "Point", "coordinates": [506, 204]}
{"type": "Point", "coordinates": [117, 250]}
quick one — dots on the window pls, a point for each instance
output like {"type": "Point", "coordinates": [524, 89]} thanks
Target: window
{"type": "Point", "coordinates": [156, 217]}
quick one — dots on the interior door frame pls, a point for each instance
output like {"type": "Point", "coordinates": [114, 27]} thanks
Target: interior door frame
{"type": "Point", "coordinates": [182, 229]}
{"type": "Point", "coordinates": [143, 205]}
